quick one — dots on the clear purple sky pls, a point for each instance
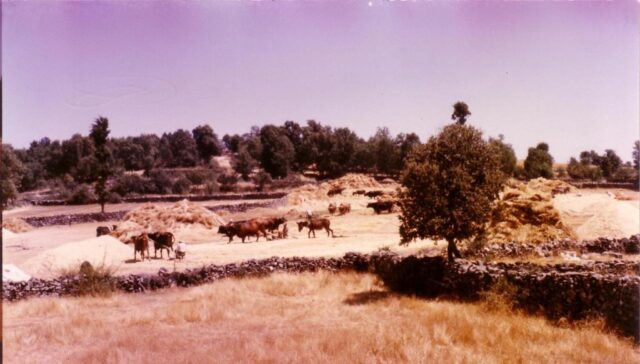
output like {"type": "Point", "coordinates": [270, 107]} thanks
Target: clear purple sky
{"type": "Point", "coordinates": [561, 72]}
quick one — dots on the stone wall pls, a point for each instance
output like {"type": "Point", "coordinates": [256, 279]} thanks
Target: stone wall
{"type": "Point", "coordinates": [175, 198]}
{"type": "Point", "coordinates": [607, 289]}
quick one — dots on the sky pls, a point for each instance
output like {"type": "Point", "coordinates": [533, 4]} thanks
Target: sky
{"type": "Point", "coordinates": [561, 72]}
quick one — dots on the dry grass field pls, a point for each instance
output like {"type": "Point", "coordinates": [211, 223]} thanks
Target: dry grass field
{"type": "Point", "coordinates": [319, 318]}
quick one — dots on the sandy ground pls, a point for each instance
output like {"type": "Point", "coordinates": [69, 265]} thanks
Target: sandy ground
{"type": "Point", "coordinates": [43, 252]}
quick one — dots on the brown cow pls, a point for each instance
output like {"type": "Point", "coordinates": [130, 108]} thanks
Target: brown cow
{"type": "Point", "coordinates": [315, 224]}
{"type": "Point", "coordinates": [335, 191]}
{"type": "Point", "coordinates": [359, 192]}
{"type": "Point", "coordinates": [272, 223]}
{"type": "Point", "coordinates": [140, 244]}
{"type": "Point", "coordinates": [332, 208]}
{"type": "Point", "coordinates": [243, 229]}
{"type": "Point", "coordinates": [103, 230]}
{"type": "Point", "coordinates": [162, 241]}
{"type": "Point", "coordinates": [344, 208]}
{"type": "Point", "coordinates": [380, 206]}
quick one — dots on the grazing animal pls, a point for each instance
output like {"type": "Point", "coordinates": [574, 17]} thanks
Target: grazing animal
{"type": "Point", "coordinates": [332, 208]}
{"type": "Point", "coordinates": [380, 206]}
{"type": "Point", "coordinates": [243, 229]}
{"type": "Point", "coordinates": [285, 232]}
{"type": "Point", "coordinates": [162, 241]}
{"type": "Point", "coordinates": [273, 223]}
{"type": "Point", "coordinates": [103, 230]}
{"type": "Point", "coordinates": [140, 244]}
{"type": "Point", "coordinates": [335, 191]}
{"type": "Point", "coordinates": [315, 224]}
{"type": "Point", "coordinates": [344, 208]}
{"type": "Point", "coordinates": [374, 194]}
{"type": "Point", "coordinates": [359, 192]}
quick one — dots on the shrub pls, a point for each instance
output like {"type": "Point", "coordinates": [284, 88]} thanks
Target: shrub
{"type": "Point", "coordinates": [199, 176]}
{"type": "Point", "coordinates": [115, 197]}
{"type": "Point", "coordinates": [262, 179]}
{"type": "Point", "coordinates": [81, 195]}
{"type": "Point", "coordinates": [181, 185]}
{"type": "Point", "coordinates": [228, 182]}
{"type": "Point", "coordinates": [160, 181]}
{"type": "Point", "coordinates": [132, 184]}
{"type": "Point", "coordinates": [92, 281]}
{"type": "Point", "coordinates": [211, 187]}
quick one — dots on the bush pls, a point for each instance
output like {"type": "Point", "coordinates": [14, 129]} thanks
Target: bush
{"type": "Point", "coordinates": [92, 281]}
{"type": "Point", "coordinates": [160, 181]}
{"type": "Point", "coordinates": [211, 187]}
{"type": "Point", "coordinates": [81, 195]}
{"type": "Point", "coordinates": [181, 186]}
{"type": "Point", "coordinates": [132, 184]}
{"type": "Point", "coordinates": [115, 197]}
{"type": "Point", "coordinates": [228, 182]}
{"type": "Point", "coordinates": [199, 176]}
{"type": "Point", "coordinates": [262, 179]}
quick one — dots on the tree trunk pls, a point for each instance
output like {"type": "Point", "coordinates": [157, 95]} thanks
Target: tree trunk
{"type": "Point", "coordinates": [102, 207]}
{"type": "Point", "coordinates": [452, 250]}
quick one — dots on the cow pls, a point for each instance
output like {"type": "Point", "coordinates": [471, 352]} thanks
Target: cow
{"type": "Point", "coordinates": [162, 241]}
{"type": "Point", "coordinates": [103, 230]}
{"type": "Point", "coordinates": [344, 208]}
{"type": "Point", "coordinates": [316, 224]}
{"type": "Point", "coordinates": [272, 223]}
{"type": "Point", "coordinates": [374, 194]}
{"type": "Point", "coordinates": [140, 244]}
{"type": "Point", "coordinates": [243, 229]}
{"type": "Point", "coordinates": [359, 192]}
{"type": "Point", "coordinates": [332, 208]}
{"type": "Point", "coordinates": [335, 191]}
{"type": "Point", "coordinates": [380, 206]}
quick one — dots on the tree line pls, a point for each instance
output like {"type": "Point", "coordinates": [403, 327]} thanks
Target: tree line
{"type": "Point", "coordinates": [264, 154]}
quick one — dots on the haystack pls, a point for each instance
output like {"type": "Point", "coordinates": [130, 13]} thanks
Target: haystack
{"type": "Point", "coordinates": [15, 225]}
{"type": "Point", "coordinates": [154, 218]}
{"type": "Point", "coordinates": [526, 214]}
{"type": "Point", "coordinates": [550, 185]}
{"type": "Point", "coordinates": [350, 181]}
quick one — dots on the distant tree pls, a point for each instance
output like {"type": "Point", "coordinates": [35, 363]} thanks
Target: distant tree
{"type": "Point", "coordinates": [338, 159]}
{"type": "Point", "coordinates": [277, 151]}
{"type": "Point", "coordinates": [243, 163]}
{"type": "Point", "coordinates": [262, 179]}
{"type": "Point", "coordinates": [508, 160]}
{"type": "Point", "coordinates": [460, 112]}
{"type": "Point", "coordinates": [609, 163]}
{"type": "Point", "coordinates": [405, 144]}
{"type": "Point", "coordinates": [207, 142]}
{"type": "Point", "coordinates": [449, 187]}
{"type": "Point", "coordinates": [539, 163]}
{"type": "Point", "coordinates": [364, 156]}
{"type": "Point", "coordinates": [232, 142]}
{"type": "Point", "coordinates": [636, 154]}
{"type": "Point", "coordinates": [129, 154]}
{"type": "Point", "coordinates": [583, 170]}
{"type": "Point", "coordinates": [294, 132]}
{"type": "Point", "coordinates": [104, 168]}
{"type": "Point", "coordinates": [386, 151]}
{"type": "Point", "coordinates": [11, 170]}
{"type": "Point", "coordinates": [178, 149]}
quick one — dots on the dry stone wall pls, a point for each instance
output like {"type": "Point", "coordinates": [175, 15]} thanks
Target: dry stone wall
{"type": "Point", "coordinates": [575, 291]}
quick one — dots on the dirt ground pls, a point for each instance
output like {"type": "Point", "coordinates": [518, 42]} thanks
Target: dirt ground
{"type": "Point", "coordinates": [43, 252]}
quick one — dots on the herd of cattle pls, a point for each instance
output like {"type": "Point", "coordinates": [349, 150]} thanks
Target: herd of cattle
{"type": "Point", "coordinates": [268, 227]}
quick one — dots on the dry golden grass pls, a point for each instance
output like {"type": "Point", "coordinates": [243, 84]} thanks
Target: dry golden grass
{"type": "Point", "coordinates": [291, 318]}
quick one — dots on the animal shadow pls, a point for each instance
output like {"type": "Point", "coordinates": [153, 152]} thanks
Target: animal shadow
{"type": "Point", "coordinates": [362, 298]}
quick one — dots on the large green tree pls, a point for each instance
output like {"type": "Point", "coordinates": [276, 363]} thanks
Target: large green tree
{"type": "Point", "coordinates": [460, 112]}
{"type": "Point", "coordinates": [449, 186]}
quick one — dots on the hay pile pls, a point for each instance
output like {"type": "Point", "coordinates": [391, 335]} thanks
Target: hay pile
{"type": "Point", "coordinates": [354, 181]}
{"type": "Point", "coordinates": [15, 225]}
{"type": "Point", "coordinates": [154, 218]}
{"type": "Point", "coordinates": [550, 185]}
{"type": "Point", "coordinates": [350, 181]}
{"type": "Point", "coordinates": [525, 213]}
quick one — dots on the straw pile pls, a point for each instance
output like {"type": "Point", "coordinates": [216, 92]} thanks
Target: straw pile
{"type": "Point", "coordinates": [525, 213]}
{"type": "Point", "coordinates": [350, 181]}
{"type": "Point", "coordinates": [154, 218]}
{"type": "Point", "coordinates": [550, 185]}
{"type": "Point", "coordinates": [15, 225]}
